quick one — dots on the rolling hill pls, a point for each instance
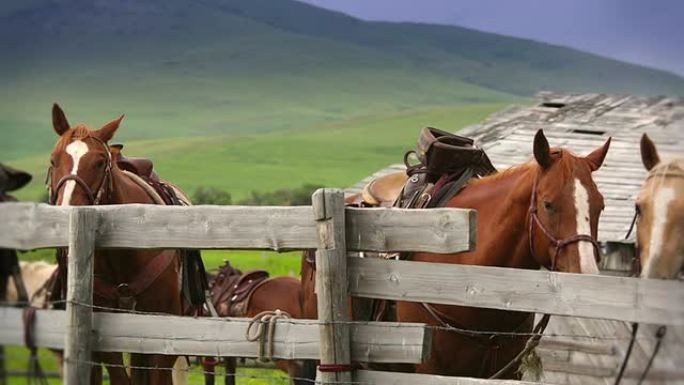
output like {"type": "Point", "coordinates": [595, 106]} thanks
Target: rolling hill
{"type": "Point", "coordinates": [215, 67]}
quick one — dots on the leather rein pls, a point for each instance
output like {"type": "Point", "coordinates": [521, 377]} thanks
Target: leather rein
{"type": "Point", "coordinates": [123, 294]}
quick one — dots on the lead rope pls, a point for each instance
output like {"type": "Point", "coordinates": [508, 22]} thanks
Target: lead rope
{"type": "Point", "coordinates": [660, 333]}
{"type": "Point", "coordinates": [262, 328]}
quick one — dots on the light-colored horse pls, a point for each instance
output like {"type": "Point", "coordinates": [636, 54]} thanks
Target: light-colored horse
{"type": "Point", "coordinates": [35, 275]}
{"type": "Point", "coordinates": [660, 207]}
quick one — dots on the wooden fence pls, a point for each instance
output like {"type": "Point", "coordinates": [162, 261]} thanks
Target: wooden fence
{"type": "Point", "coordinates": [333, 230]}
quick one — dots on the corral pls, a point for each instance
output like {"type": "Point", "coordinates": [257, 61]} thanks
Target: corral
{"type": "Point", "coordinates": [577, 350]}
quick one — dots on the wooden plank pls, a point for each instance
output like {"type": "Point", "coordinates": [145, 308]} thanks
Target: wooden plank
{"type": "Point", "coordinates": [30, 226]}
{"type": "Point", "coordinates": [370, 377]}
{"type": "Point", "coordinates": [79, 311]}
{"type": "Point", "coordinates": [616, 298]}
{"type": "Point", "coordinates": [331, 285]}
{"type": "Point", "coordinates": [379, 229]}
{"type": "Point", "coordinates": [385, 342]}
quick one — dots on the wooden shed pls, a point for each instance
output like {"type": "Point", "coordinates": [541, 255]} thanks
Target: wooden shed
{"type": "Point", "coordinates": [588, 351]}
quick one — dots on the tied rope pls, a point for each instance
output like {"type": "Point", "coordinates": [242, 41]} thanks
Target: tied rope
{"type": "Point", "coordinates": [262, 328]}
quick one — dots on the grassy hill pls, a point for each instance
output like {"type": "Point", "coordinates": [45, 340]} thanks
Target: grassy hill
{"type": "Point", "coordinates": [214, 67]}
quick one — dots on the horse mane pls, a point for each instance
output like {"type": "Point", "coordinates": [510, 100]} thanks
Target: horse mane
{"type": "Point", "coordinates": [78, 132]}
{"type": "Point", "coordinates": [669, 164]}
{"type": "Point", "coordinates": [565, 157]}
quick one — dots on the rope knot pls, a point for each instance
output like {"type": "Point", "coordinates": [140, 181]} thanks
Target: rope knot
{"type": "Point", "coordinates": [262, 328]}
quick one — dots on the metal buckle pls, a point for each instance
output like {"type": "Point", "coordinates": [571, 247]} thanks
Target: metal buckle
{"type": "Point", "coordinates": [126, 297]}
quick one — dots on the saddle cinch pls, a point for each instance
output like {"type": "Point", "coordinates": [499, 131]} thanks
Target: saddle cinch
{"type": "Point", "coordinates": [231, 290]}
{"type": "Point", "coordinates": [446, 162]}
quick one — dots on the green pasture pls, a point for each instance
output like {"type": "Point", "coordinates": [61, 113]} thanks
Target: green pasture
{"type": "Point", "coordinates": [335, 155]}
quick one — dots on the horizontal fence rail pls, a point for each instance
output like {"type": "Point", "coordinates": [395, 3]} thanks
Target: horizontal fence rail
{"type": "Point", "coordinates": [31, 226]}
{"type": "Point", "coordinates": [615, 298]}
{"type": "Point", "coordinates": [377, 377]}
{"type": "Point", "coordinates": [221, 337]}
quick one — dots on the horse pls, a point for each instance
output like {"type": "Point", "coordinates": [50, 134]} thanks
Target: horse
{"type": "Point", "coordinates": [254, 295]}
{"type": "Point", "coordinates": [36, 276]}
{"type": "Point", "coordinates": [82, 172]}
{"type": "Point", "coordinates": [660, 211]}
{"type": "Point", "coordinates": [544, 212]}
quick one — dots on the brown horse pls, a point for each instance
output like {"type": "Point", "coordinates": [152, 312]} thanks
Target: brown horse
{"type": "Point", "coordinates": [235, 294]}
{"type": "Point", "coordinates": [660, 207]}
{"type": "Point", "coordinates": [83, 173]}
{"type": "Point", "coordinates": [542, 213]}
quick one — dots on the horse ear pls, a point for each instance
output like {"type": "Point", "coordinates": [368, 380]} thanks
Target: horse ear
{"type": "Point", "coordinates": [59, 120]}
{"type": "Point", "coordinates": [597, 156]}
{"type": "Point", "coordinates": [542, 153]}
{"type": "Point", "coordinates": [649, 153]}
{"type": "Point", "coordinates": [106, 133]}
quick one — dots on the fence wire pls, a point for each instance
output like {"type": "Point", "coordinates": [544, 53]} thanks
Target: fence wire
{"type": "Point", "coordinates": [451, 329]}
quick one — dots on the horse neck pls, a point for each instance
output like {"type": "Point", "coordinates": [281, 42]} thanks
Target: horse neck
{"type": "Point", "coordinates": [502, 202]}
{"type": "Point", "coordinates": [125, 191]}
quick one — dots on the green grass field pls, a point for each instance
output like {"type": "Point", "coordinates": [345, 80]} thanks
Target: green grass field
{"type": "Point", "coordinates": [334, 155]}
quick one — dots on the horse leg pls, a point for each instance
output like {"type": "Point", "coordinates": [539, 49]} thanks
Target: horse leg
{"type": "Point", "coordinates": [180, 371]}
{"type": "Point", "coordinates": [209, 368]}
{"type": "Point", "coordinates": [163, 375]}
{"type": "Point", "coordinates": [231, 364]}
{"type": "Point", "coordinates": [3, 368]}
{"type": "Point", "coordinates": [114, 364]}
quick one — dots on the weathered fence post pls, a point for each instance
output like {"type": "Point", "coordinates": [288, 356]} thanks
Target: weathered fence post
{"type": "Point", "coordinates": [331, 286]}
{"type": "Point", "coordinates": [79, 311]}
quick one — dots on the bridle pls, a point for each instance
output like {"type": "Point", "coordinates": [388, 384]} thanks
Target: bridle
{"type": "Point", "coordinates": [559, 244]}
{"type": "Point", "coordinates": [94, 196]}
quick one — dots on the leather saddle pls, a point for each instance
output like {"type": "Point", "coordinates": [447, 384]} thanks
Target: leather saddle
{"type": "Point", "coordinates": [141, 167]}
{"type": "Point", "coordinates": [231, 290]}
{"type": "Point", "coordinates": [381, 191]}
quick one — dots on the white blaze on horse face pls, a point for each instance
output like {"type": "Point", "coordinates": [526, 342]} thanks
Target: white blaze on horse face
{"type": "Point", "coordinates": [77, 150]}
{"type": "Point", "coordinates": [661, 201]}
{"type": "Point", "coordinates": [586, 249]}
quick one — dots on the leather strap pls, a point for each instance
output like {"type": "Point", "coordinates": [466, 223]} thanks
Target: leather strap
{"type": "Point", "coordinates": [560, 244]}
{"type": "Point", "coordinates": [141, 282]}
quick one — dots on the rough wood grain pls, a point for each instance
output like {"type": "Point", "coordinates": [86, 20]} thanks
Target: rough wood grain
{"type": "Point", "coordinates": [331, 284]}
{"type": "Point", "coordinates": [79, 311]}
{"type": "Point", "coordinates": [29, 226]}
{"type": "Point", "coordinates": [369, 377]}
{"type": "Point", "coordinates": [616, 298]}
{"type": "Point", "coordinates": [152, 334]}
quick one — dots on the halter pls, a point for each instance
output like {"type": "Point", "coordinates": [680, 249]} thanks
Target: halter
{"type": "Point", "coordinates": [558, 243]}
{"type": "Point", "coordinates": [94, 197]}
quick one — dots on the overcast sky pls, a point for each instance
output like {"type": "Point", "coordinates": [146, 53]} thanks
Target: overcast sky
{"type": "Point", "coordinates": [649, 32]}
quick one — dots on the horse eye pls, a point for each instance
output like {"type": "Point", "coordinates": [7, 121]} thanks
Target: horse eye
{"type": "Point", "coordinates": [548, 206]}
{"type": "Point", "coordinates": [53, 162]}
{"type": "Point", "coordinates": [100, 163]}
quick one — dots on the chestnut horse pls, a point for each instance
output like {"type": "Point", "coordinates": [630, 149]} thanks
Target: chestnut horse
{"type": "Point", "coordinates": [82, 173]}
{"type": "Point", "coordinates": [660, 208]}
{"type": "Point", "coordinates": [541, 213]}
{"type": "Point", "coordinates": [267, 296]}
